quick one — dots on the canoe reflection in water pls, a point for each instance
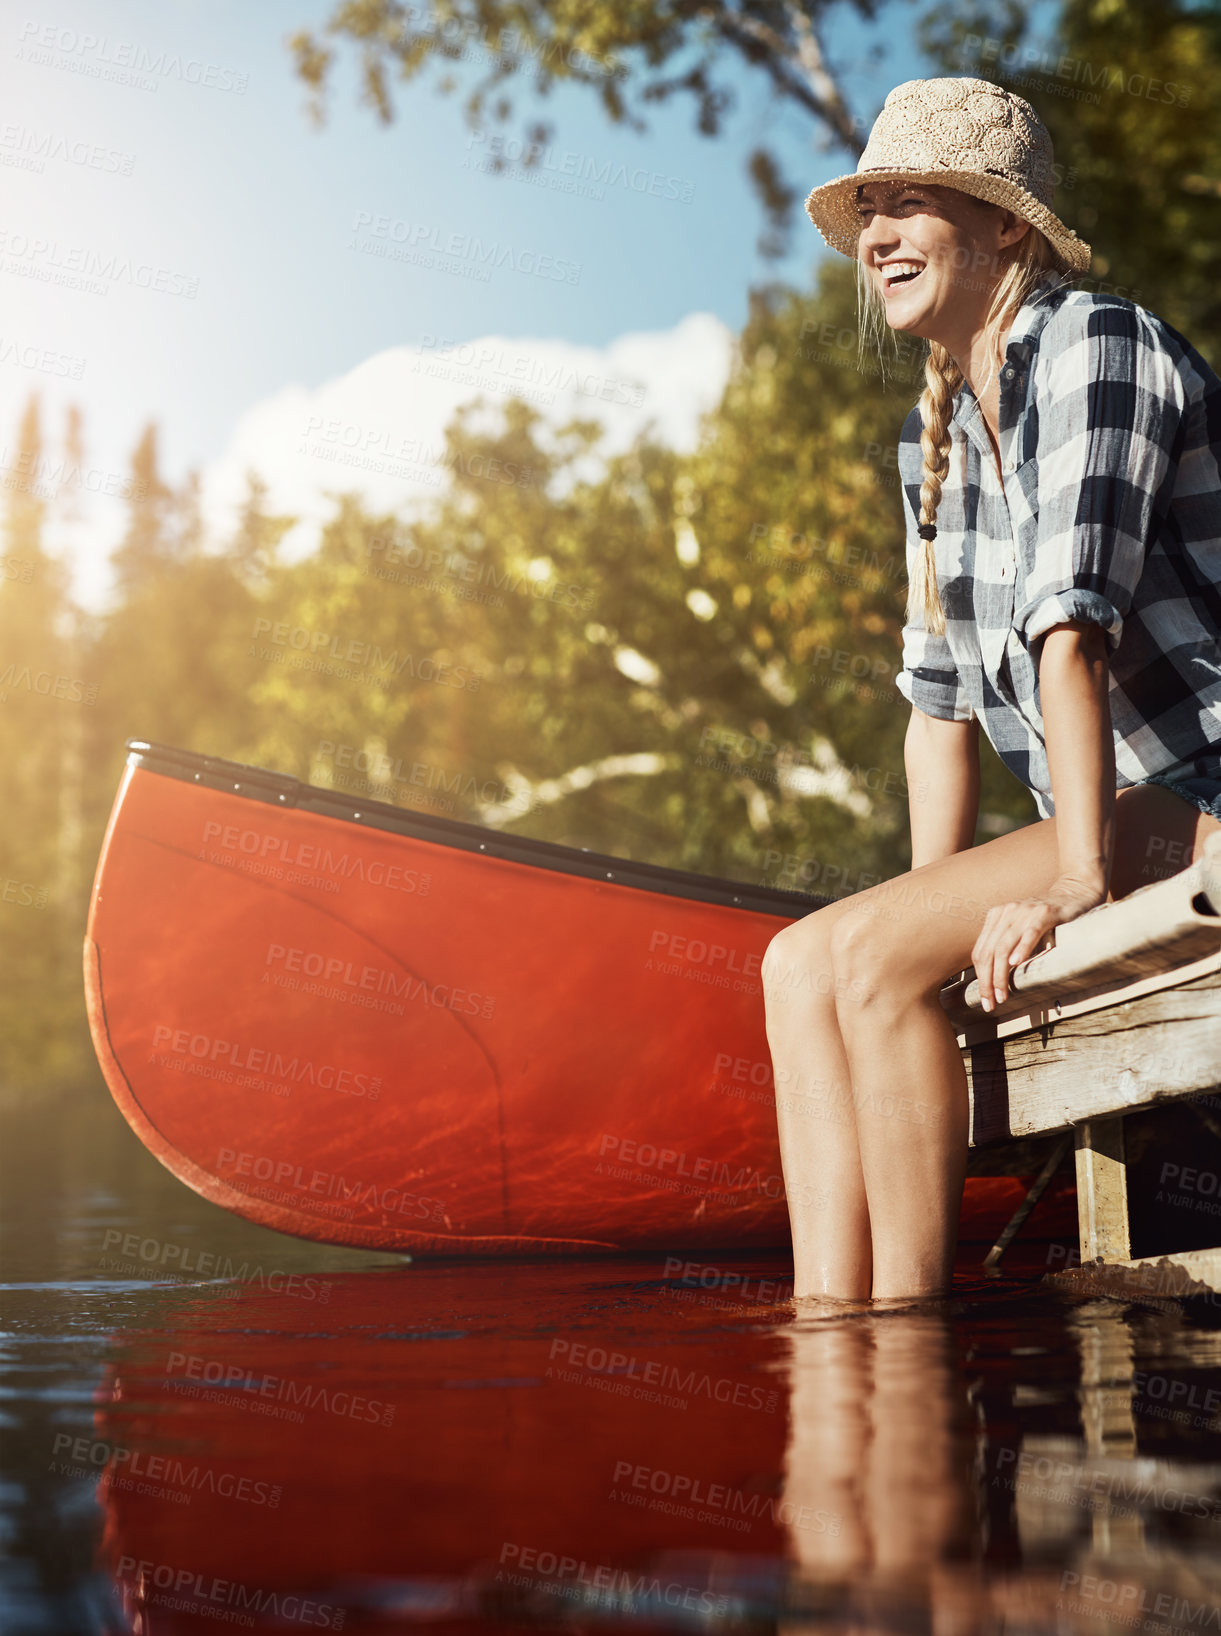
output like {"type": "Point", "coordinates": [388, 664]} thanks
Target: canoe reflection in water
{"type": "Point", "coordinates": [579, 1444]}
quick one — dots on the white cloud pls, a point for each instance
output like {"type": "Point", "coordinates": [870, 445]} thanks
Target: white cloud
{"type": "Point", "coordinates": [379, 429]}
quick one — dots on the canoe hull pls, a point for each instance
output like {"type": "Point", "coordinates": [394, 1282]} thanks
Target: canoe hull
{"type": "Point", "coordinates": [397, 1040]}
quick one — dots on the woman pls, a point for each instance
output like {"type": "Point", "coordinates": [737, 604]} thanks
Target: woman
{"type": "Point", "coordinates": [1064, 539]}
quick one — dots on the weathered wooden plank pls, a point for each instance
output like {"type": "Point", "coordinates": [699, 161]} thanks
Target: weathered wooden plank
{"type": "Point", "coordinates": [1102, 1191]}
{"type": "Point", "coordinates": [1078, 1001]}
{"type": "Point", "coordinates": [1111, 1061]}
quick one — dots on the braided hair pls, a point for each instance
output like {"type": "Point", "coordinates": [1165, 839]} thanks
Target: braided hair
{"type": "Point", "coordinates": [943, 378]}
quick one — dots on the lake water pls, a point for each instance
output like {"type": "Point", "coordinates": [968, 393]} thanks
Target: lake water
{"type": "Point", "coordinates": [210, 1426]}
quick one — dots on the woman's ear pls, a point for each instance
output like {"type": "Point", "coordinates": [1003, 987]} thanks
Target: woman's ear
{"type": "Point", "coordinates": [1013, 228]}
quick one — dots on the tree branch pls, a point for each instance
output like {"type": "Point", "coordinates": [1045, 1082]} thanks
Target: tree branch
{"type": "Point", "coordinates": [545, 791]}
{"type": "Point", "coordinates": [814, 61]}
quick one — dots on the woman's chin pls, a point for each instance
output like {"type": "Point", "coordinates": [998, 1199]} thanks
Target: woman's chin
{"type": "Point", "coordinates": [910, 323]}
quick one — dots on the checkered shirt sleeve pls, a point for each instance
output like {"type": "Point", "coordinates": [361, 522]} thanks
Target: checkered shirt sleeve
{"type": "Point", "coordinates": [1110, 411]}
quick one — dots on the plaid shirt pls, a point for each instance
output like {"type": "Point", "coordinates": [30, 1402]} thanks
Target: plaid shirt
{"type": "Point", "coordinates": [1110, 511]}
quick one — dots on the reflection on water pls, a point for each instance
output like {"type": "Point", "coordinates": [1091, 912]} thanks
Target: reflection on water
{"type": "Point", "coordinates": [290, 1438]}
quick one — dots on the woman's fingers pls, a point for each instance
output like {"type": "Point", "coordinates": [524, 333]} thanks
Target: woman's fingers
{"type": "Point", "coordinates": [998, 961]}
{"type": "Point", "coordinates": [984, 953]}
{"type": "Point", "coordinates": [1025, 946]}
{"type": "Point", "coordinates": [1011, 933]}
{"type": "Point", "coordinates": [981, 953]}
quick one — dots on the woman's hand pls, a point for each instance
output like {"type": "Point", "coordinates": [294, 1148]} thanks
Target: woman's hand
{"type": "Point", "coordinates": [1014, 931]}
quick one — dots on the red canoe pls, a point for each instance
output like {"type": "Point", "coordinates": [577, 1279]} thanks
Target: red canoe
{"type": "Point", "coordinates": [368, 1026]}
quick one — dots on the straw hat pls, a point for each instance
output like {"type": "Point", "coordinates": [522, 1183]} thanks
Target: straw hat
{"type": "Point", "coordinates": [961, 133]}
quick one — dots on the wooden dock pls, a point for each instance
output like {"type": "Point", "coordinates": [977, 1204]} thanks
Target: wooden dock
{"type": "Point", "coordinates": [1121, 1015]}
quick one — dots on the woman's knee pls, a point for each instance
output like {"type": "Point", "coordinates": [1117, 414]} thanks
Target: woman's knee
{"type": "Point", "coordinates": [869, 960]}
{"type": "Point", "coordinates": [798, 962]}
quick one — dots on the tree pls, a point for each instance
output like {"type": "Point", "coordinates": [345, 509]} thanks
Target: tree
{"type": "Point", "coordinates": [631, 55]}
{"type": "Point", "coordinates": [42, 694]}
{"type": "Point", "coordinates": [252, 549]}
{"type": "Point", "coordinates": [172, 655]}
{"type": "Point", "coordinates": [1128, 93]}
{"type": "Point", "coordinates": [147, 546]}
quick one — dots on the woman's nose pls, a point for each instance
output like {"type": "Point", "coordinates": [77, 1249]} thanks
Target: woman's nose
{"type": "Point", "coordinates": [877, 234]}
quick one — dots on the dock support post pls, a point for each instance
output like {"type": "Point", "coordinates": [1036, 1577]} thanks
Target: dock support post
{"type": "Point", "coordinates": [1102, 1191]}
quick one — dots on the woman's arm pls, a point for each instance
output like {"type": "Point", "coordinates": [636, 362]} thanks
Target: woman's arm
{"type": "Point", "coordinates": [942, 762]}
{"type": "Point", "coordinates": [1074, 680]}
{"type": "Point", "coordinates": [1073, 690]}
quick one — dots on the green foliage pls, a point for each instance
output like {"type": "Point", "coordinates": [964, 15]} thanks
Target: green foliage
{"type": "Point", "coordinates": [42, 690]}
{"type": "Point", "coordinates": [1129, 93]}
{"type": "Point", "coordinates": [631, 55]}
{"type": "Point", "coordinates": [1148, 188]}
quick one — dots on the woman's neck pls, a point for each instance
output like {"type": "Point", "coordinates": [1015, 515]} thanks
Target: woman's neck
{"type": "Point", "coordinates": [981, 370]}
{"type": "Point", "coordinates": [978, 355]}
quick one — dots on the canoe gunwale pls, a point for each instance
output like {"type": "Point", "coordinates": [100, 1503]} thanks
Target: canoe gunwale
{"type": "Point", "coordinates": [284, 791]}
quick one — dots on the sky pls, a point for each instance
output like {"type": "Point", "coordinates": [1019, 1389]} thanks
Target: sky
{"type": "Point", "coordinates": [180, 243]}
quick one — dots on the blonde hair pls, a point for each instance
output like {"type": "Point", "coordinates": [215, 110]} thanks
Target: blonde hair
{"type": "Point", "coordinates": [1032, 259]}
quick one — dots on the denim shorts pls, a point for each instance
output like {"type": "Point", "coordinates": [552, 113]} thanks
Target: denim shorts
{"type": "Point", "coordinates": [1197, 779]}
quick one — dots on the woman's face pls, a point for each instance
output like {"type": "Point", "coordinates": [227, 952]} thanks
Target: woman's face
{"type": "Point", "coordinates": [935, 256]}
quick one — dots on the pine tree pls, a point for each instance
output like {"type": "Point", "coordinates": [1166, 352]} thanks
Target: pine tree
{"type": "Point", "coordinates": [42, 697]}
{"type": "Point", "coordinates": [147, 546]}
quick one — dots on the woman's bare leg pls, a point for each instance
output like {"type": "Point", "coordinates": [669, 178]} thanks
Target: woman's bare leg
{"type": "Point", "coordinates": [869, 1016]}
{"type": "Point", "coordinates": [819, 1151]}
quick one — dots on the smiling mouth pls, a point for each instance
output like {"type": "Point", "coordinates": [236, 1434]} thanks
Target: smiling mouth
{"type": "Point", "coordinates": [899, 273]}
